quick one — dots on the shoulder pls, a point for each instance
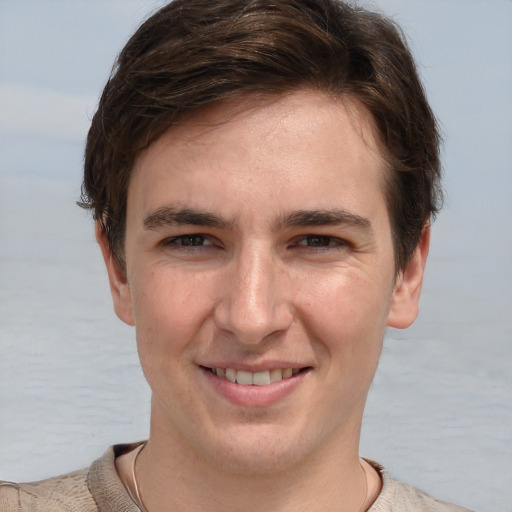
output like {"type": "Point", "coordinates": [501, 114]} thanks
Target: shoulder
{"type": "Point", "coordinates": [95, 489]}
{"type": "Point", "coordinates": [66, 493]}
{"type": "Point", "coordinates": [398, 496]}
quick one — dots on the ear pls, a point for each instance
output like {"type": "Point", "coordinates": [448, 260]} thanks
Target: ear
{"type": "Point", "coordinates": [406, 294]}
{"type": "Point", "coordinates": [119, 287]}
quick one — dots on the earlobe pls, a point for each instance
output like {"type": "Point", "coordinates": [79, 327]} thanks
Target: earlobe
{"type": "Point", "coordinates": [406, 294]}
{"type": "Point", "coordinates": [119, 287]}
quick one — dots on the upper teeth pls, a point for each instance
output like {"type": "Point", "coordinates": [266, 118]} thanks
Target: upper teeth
{"type": "Point", "coordinates": [257, 378]}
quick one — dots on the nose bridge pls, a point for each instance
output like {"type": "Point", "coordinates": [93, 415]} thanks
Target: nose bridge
{"type": "Point", "coordinates": [256, 282]}
{"type": "Point", "coordinates": [254, 305]}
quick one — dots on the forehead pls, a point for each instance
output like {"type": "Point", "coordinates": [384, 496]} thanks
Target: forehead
{"type": "Point", "coordinates": [292, 146]}
{"type": "Point", "coordinates": [275, 112]}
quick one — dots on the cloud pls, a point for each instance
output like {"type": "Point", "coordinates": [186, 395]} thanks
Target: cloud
{"type": "Point", "coordinates": [27, 109]}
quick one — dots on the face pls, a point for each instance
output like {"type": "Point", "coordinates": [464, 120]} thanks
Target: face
{"type": "Point", "coordinates": [260, 278]}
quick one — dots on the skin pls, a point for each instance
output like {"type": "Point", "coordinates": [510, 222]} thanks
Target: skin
{"type": "Point", "coordinates": [271, 281]}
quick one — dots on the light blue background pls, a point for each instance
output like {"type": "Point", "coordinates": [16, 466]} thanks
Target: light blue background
{"type": "Point", "coordinates": [440, 410]}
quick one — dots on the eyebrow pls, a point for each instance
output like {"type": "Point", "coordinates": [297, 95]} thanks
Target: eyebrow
{"type": "Point", "coordinates": [167, 215]}
{"type": "Point", "coordinates": [304, 218]}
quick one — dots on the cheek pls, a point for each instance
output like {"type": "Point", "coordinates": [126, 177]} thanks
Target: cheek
{"type": "Point", "coordinates": [345, 319]}
{"type": "Point", "coordinates": [169, 312]}
{"type": "Point", "coordinates": [347, 312]}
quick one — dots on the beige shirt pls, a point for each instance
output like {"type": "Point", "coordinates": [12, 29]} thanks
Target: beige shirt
{"type": "Point", "coordinates": [99, 489]}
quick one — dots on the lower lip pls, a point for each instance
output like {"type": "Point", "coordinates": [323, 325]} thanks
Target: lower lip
{"type": "Point", "coordinates": [254, 396]}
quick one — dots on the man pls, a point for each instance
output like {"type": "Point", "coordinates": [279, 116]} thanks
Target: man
{"type": "Point", "coordinates": [263, 176]}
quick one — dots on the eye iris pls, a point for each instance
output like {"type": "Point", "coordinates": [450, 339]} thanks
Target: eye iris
{"type": "Point", "coordinates": [318, 241]}
{"type": "Point", "coordinates": [191, 240]}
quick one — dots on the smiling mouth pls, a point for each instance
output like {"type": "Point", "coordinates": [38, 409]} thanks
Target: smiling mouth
{"type": "Point", "coordinates": [263, 378]}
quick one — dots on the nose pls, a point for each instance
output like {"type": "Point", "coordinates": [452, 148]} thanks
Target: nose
{"type": "Point", "coordinates": [253, 306]}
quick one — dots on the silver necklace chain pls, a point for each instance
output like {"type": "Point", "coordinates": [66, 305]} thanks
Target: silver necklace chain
{"type": "Point", "coordinates": [137, 497]}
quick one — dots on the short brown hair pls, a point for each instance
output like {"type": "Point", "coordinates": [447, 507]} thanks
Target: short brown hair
{"type": "Point", "coordinates": [194, 53]}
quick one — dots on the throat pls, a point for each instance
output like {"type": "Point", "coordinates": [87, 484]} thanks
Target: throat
{"type": "Point", "coordinates": [293, 491]}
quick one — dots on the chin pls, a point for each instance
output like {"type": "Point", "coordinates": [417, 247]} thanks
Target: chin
{"type": "Point", "coordinates": [258, 451]}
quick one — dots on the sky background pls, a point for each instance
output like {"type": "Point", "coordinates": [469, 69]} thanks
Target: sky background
{"type": "Point", "coordinates": [440, 410]}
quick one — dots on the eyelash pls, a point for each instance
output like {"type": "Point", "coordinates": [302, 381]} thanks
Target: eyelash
{"type": "Point", "coordinates": [175, 241]}
{"type": "Point", "coordinates": [326, 242]}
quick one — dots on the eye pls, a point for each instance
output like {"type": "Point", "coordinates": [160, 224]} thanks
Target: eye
{"type": "Point", "coordinates": [189, 241]}
{"type": "Point", "coordinates": [192, 246]}
{"type": "Point", "coordinates": [321, 242]}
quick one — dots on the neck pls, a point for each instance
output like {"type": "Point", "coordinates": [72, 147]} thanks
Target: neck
{"type": "Point", "coordinates": [173, 478]}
